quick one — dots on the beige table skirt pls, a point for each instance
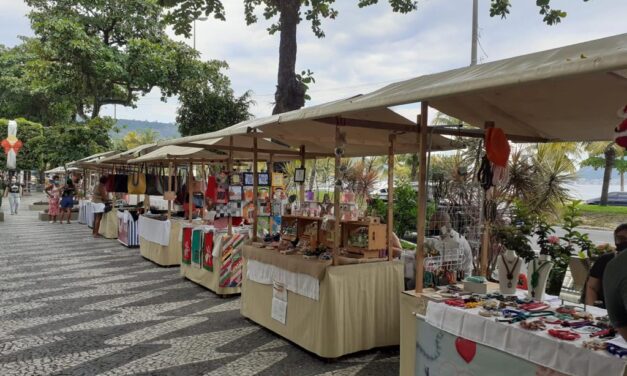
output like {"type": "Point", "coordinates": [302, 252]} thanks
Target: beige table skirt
{"type": "Point", "coordinates": [410, 304]}
{"type": "Point", "coordinates": [169, 255]}
{"type": "Point", "coordinates": [109, 225]}
{"type": "Point", "coordinates": [207, 279]}
{"type": "Point", "coordinates": [358, 310]}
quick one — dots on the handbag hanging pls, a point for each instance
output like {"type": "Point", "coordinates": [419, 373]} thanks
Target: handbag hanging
{"type": "Point", "coordinates": [196, 185]}
{"type": "Point", "coordinates": [154, 185]}
{"type": "Point", "coordinates": [137, 183]}
{"type": "Point", "coordinates": [120, 183]}
{"type": "Point", "coordinates": [169, 189]}
{"type": "Point", "coordinates": [110, 185]}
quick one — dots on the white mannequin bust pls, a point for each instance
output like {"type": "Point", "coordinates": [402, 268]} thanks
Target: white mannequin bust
{"type": "Point", "coordinates": [542, 265]}
{"type": "Point", "coordinates": [509, 265]}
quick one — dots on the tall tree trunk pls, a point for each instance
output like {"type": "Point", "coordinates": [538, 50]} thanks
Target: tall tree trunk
{"type": "Point", "coordinates": [414, 167]}
{"type": "Point", "coordinates": [610, 155]}
{"type": "Point", "coordinates": [290, 92]}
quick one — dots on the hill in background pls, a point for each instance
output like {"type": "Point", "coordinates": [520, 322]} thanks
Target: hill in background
{"type": "Point", "coordinates": [166, 130]}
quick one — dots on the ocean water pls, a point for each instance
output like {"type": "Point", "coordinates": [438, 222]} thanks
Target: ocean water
{"type": "Point", "coordinates": [586, 190]}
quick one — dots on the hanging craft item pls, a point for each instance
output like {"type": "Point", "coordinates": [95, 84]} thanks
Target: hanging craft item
{"type": "Point", "coordinates": [497, 146]}
{"type": "Point", "coordinates": [187, 245]}
{"type": "Point", "coordinates": [11, 145]}
{"type": "Point", "coordinates": [207, 251]}
{"type": "Point", "coordinates": [621, 129]}
{"type": "Point", "coordinates": [196, 259]}
{"type": "Point", "coordinates": [136, 183]}
{"type": "Point", "coordinates": [231, 269]}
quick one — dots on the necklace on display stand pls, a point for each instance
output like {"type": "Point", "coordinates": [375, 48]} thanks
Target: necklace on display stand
{"type": "Point", "coordinates": [535, 275]}
{"type": "Point", "coordinates": [510, 272]}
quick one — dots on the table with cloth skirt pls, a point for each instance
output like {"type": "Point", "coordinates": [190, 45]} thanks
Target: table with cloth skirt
{"type": "Point", "coordinates": [109, 224]}
{"type": "Point", "coordinates": [357, 307]}
{"type": "Point", "coordinates": [468, 342]}
{"type": "Point", "coordinates": [159, 241]}
{"type": "Point", "coordinates": [86, 213]}
{"type": "Point", "coordinates": [217, 279]}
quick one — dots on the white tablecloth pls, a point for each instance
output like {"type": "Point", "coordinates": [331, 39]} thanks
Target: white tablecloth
{"type": "Point", "coordinates": [535, 346]}
{"type": "Point", "coordinates": [298, 283]}
{"type": "Point", "coordinates": [86, 213]}
{"type": "Point", "coordinates": [154, 230]}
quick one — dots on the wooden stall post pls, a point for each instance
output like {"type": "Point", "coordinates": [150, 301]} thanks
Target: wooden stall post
{"type": "Point", "coordinates": [485, 238]}
{"type": "Point", "coordinates": [170, 168]}
{"type": "Point", "coordinates": [336, 200]}
{"type": "Point", "coordinates": [422, 195]}
{"type": "Point", "coordinates": [255, 187]}
{"type": "Point", "coordinates": [390, 214]}
{"type": "Point", "coordinates": [190, 194]}
{"type": "Point", "coordinates": [270, 171]}
{"type": "Point", "coordinates": [84, 184]}
{"type": "Point", "coordinates": [229, 167]}
{"type": "Point", "coordinates": [302, 185]}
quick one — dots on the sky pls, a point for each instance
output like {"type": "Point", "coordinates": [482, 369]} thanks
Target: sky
{"type": "Point", "coordinates": [365, 49]}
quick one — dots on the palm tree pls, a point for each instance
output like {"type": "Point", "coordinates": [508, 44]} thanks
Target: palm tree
{"type": "Point", "coordinates": [613, 156]}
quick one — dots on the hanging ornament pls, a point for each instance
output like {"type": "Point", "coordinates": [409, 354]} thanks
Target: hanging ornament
{"type": "Point", "coordinates": [339, 152]}
{"type": "Point", "coordinates": [11, 145]}
{"type": "Point", "coordinates": [621, 130]}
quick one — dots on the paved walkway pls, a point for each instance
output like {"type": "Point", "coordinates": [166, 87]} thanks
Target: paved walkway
{"type": "Point", "coordinates": [74, 305]}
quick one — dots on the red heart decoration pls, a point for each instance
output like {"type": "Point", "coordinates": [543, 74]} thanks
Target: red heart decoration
{"type": "Point", "coordinates": [466, 349]}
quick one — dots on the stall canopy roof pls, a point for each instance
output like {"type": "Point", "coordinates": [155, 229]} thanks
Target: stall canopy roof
{"type": "Point", "coordinates": [366, 131]}
{"type": "Point", "coordinates": [60, 170]}
{"type": "Point", "coordinates": [205, 151]}
{"type": "Point", "coordinates": [90, 162]}
{"type": "Point", "coordinates": [570, 93]}
{"type": "Point", "coordinates": [125, 156]}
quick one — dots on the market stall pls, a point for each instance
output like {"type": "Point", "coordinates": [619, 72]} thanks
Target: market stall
{"type": "Point", "coordinates": [569, 94]}
{"type": "Point", "coordinates": [336, 292]}
{"type": "Point", "coordinates": [209, 255]}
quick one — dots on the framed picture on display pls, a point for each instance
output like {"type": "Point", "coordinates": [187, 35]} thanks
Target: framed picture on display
{"type": "Point", "coordinates": [299, 175]}
{"type": "Point", "coordinates": [278, 179]}
{"type": "Point", "coordinates": [235, 193]}
{"type": "Point", "coordinates": [263, 179]}
{"type": "Point", "coordinates": [249, 179]}
{"type": "Point", "coordinates": [236, 178]}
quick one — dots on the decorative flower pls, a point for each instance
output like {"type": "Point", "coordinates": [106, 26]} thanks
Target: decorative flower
{"type": "Point", "coordinates": [554, 239]}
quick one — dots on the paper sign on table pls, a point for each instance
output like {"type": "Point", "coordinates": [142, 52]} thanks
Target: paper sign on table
{"type": "Point", "coordinates": [279, 310]}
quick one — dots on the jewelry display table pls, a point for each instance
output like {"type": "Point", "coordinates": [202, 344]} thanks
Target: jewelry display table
{"type": "Point", "coordinates": [440, 339]}
{"type": "Point", "coordinates": [357, 306]}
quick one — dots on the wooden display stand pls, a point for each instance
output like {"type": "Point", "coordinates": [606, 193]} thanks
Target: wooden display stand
{"type": "Point", "coordinates": [376, 238]}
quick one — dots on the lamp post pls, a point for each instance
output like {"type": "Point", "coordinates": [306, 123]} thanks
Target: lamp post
{"type": "Point", "coordinates": [199, 19]}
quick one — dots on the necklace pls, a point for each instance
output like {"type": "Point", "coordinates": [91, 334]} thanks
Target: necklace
{"type": "Point", "coordinates": [438, 348]}
{"type": "Point", "coordinates": [510, 272]}
{"type": "Point", "coordinates": [535, 276]}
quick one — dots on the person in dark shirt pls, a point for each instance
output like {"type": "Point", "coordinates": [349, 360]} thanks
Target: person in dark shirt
{"type": "Point", "coordinates": [615, 283]}
{"type": "Point", "coordinates": [67, 199]}
{"type": "Point", "coordinates": [594, 284]}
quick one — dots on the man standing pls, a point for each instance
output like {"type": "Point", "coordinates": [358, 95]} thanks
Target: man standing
{"type": "Point", "coordinates": [615, 283]}
{"type": "Point", "coordinates": [14, 192]}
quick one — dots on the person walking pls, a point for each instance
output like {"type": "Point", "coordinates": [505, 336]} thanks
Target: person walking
{"type": "Point", "coordinates": [53, 190]}
{"type": "Point", "coordinates": [14, 192]}
{"type": "Point", "coordinates": [67, 199]}
{"type": "Point", "coordinates": [99, 196]}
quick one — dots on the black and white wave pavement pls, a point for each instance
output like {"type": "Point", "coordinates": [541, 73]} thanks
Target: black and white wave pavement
{"type": "Point", "coordinates": [74, 305]}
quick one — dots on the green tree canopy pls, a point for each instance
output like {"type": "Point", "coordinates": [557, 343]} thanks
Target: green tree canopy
{"type": "Point", "coordinates": [210, 107]}
{"type": "Point", "coordinates": [30, 156]}
{"type": "Point", "coordinates": [69, 142]}
{"type": "Point", "coordinates": [91, 53]}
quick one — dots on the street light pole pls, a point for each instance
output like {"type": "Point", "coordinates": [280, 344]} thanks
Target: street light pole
{"type": "Point", "coordinates": [475, 36]}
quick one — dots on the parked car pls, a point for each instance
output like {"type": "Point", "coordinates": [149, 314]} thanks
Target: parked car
{"type": "Point", "coordinates": [613, 198]}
